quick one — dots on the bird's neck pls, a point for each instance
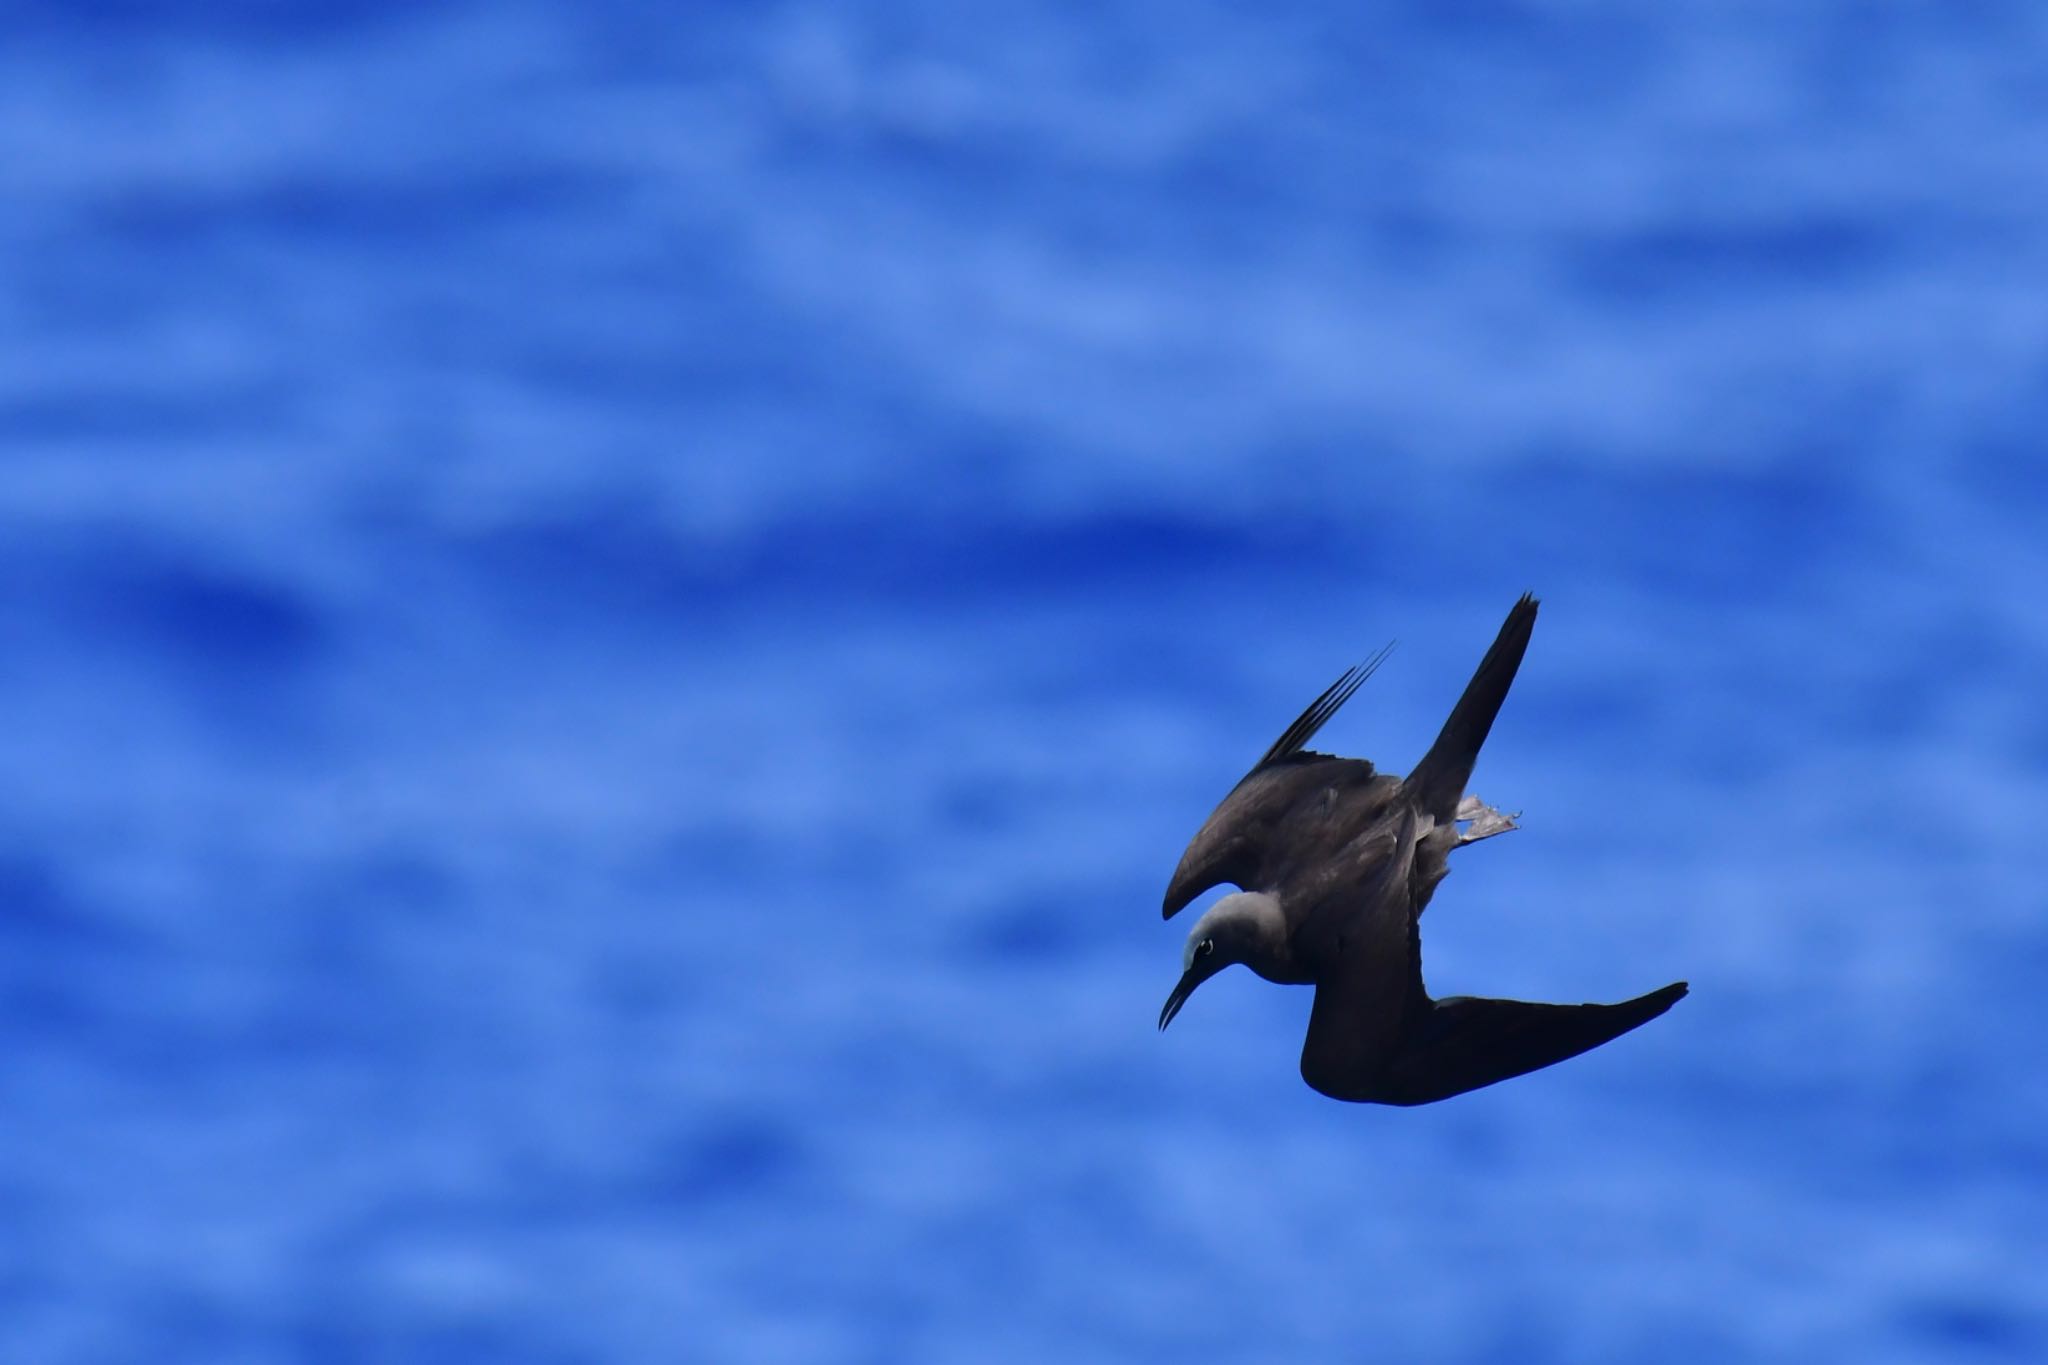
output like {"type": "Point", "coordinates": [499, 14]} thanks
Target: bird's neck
{"type": "Point", "coordinates": [1262, 936]}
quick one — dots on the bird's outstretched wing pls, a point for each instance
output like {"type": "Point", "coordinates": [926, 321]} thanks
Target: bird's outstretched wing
{"type": "Point", "coordinates": [1374, 1033]}
{"type": "Point", "coordinates": [1461, 1043]}
{"type": "Point", "coordinates": [1438, 781]}
{"type": "Point", "coordinates": [1282, 789]}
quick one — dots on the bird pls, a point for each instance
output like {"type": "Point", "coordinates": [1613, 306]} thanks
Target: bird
{"type": "Point", "coordinates": [1336, 862]}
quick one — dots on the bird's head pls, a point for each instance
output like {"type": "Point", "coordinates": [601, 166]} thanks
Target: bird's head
{"type": "Point", "coordinates": [1230, 931]}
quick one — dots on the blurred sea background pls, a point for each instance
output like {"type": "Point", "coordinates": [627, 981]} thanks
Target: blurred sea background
{"type": "Point", "coordinates": [614, 616]}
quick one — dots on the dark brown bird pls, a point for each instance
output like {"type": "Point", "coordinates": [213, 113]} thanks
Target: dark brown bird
{"type": "Point", "coordinates": [1337, 862]}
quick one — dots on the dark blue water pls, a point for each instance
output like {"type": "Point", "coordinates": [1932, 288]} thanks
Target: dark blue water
{"type": "Point", "coordinates": [613, 618]}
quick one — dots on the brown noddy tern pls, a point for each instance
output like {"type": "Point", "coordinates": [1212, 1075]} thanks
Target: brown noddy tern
{"type": "Point", "coordinates": [1337, 862]}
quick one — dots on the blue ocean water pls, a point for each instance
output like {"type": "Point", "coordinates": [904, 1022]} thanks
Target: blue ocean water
{"type": "Point", "coordinates": [614, 617]}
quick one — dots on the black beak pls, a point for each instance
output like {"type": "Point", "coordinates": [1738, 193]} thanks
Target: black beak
{"type": "Point", "coordinates": [1190, 979]}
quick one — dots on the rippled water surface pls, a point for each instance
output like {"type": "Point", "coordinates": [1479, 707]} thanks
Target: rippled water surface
{"type": "Point", "coordinates": [614, 617]}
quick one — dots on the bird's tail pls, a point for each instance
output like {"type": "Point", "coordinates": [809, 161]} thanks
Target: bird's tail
{"type": "Point", "coordinates": [1439, 779]}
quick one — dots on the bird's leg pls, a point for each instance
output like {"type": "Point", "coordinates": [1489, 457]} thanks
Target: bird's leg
{"type": "Point", "coordinates": [1481, 821]}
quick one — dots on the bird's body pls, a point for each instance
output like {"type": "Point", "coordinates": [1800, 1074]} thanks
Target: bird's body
{"type": "Point", "coordinates": [1337, 862]}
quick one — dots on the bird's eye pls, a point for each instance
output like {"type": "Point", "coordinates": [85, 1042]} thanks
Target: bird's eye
{"type": "Point", "coordinates": [1205, 947]}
